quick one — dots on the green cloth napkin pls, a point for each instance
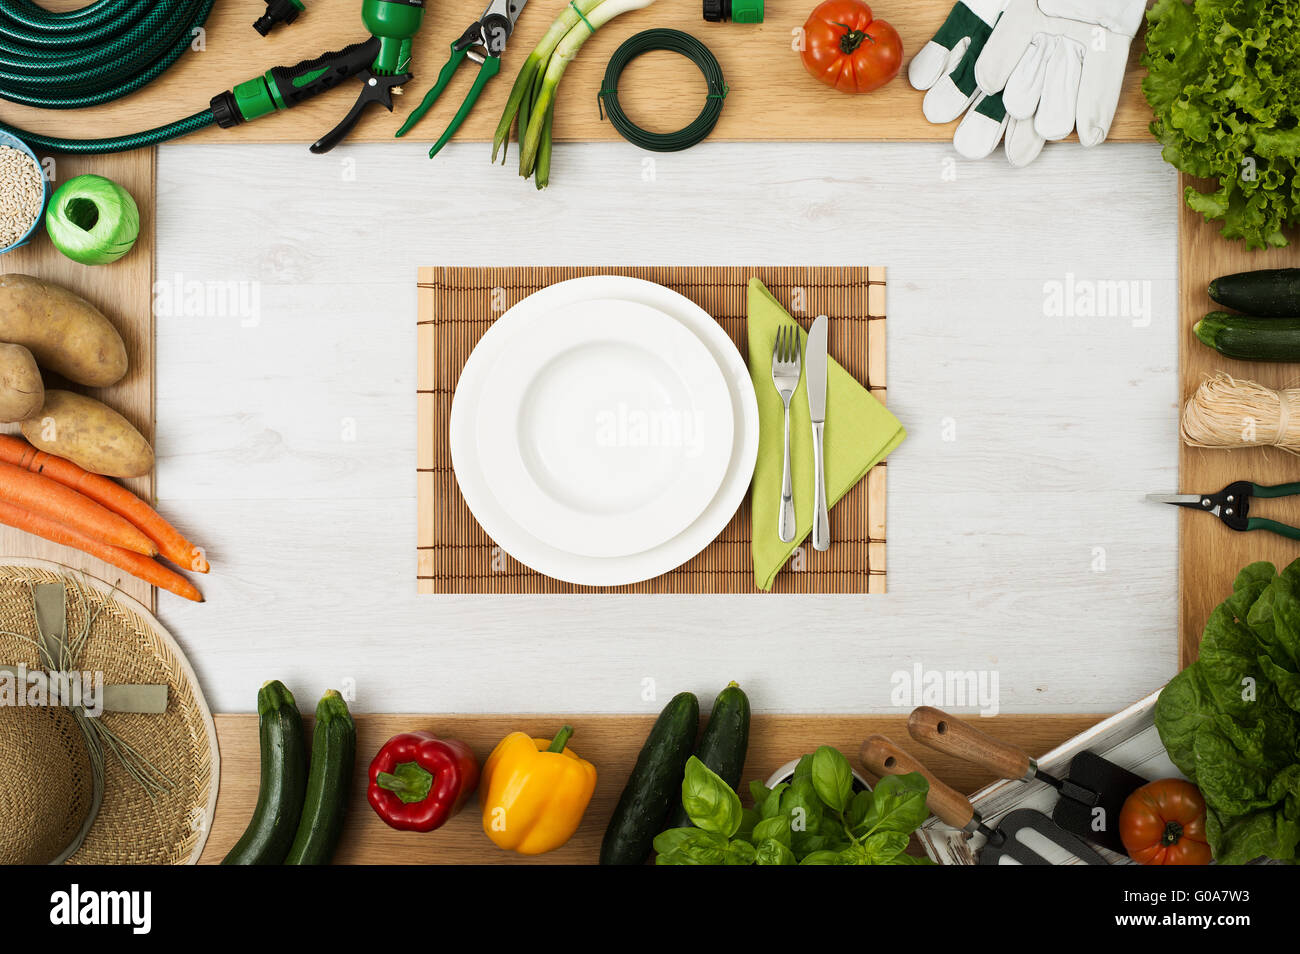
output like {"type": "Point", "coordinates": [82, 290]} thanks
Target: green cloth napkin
{"type": "Point", "coordinates": [860, 432]}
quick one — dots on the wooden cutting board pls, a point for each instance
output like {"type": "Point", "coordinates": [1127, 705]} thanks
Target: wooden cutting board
{"type": "Point", "coordinates": [771, 96]}
{"type": "Point", "coordinates": [1209, 553]}
{"type": "Point", "coordinates": [610, 742]}
{"type": "Point", "coordinates": [123, 291]}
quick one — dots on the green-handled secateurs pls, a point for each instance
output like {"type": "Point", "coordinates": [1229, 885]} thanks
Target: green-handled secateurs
{"type": "Point", "coordinates": [380, 63]}
{"type": "Point", "coordinates": [1232, 505]}
{"type": "Point", "coordinates": [483, 42]}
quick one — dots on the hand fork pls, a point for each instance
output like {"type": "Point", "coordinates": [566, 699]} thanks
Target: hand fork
{"type": "Point", "coordinates": [785, 378]}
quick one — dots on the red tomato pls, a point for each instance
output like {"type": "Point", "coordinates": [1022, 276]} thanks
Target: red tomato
{"type": "Point", "coordinates": [1163, 823]}
{"type": "Point", "coordinates": [845, 48]}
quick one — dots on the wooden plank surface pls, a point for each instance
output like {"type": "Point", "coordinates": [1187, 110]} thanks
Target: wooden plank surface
{"type": "Point", "coordinates": [771, 96]}
{"type": "Point", "coordinates": [1210, 554]}
{"type": "Point", "coordinates": [123, 291]}
{"type": "Point", "coordinates": [610, 742]}
{"type": "Point", "coordinates": [458, 305]}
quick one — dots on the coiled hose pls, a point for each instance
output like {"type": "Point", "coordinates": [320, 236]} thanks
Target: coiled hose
{"type": "Point", "coordinates": [94, 55]}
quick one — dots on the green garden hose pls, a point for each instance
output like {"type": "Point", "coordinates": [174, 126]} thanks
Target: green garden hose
{"type": "Point", "coordinates": [674, 41]}
{"type": "Point", "coordinates": [94, 55]}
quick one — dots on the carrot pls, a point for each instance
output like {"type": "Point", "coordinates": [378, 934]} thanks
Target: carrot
{"type": "Point", "coordinates": [151, 571]}
{"type": "Point", "coordinates": [114, 496]}
{"type": "Point", "coordinates": [64, 505]}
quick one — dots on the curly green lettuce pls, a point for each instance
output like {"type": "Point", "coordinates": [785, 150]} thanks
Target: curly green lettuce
{"type": "Point", "coordinates": [1223, 78]}
{"type": "Point", "coordinates": [1231, 720]}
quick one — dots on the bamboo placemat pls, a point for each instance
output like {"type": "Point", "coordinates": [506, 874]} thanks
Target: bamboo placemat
{"type": "Point", "coordinates": [458, 305]}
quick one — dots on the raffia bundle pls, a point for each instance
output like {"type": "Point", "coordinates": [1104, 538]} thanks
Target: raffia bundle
{"type": "Point", "coordinates": [1225, 412]}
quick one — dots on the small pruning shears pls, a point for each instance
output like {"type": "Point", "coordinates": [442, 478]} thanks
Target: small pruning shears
{"type": "Point", "coordinates": [1232, 505]}
{"type": "Point", "coordinates": [483, 42]}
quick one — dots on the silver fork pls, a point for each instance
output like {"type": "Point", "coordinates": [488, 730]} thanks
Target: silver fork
{"type": "Point", "coordinates": [785, 378]}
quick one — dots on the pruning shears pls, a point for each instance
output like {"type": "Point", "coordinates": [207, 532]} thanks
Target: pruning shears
{"type": "Point", "coordinates": [483, 42]}
{"type": "Point", "coordinates": [1232, 505]}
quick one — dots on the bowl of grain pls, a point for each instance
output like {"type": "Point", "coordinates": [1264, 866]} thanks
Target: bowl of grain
{"type": "Point", "coordinates": [23, 192]}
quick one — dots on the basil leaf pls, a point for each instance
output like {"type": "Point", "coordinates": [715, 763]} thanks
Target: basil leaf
{"type": "Point", "coordinates": [822, 858]}
{"type": "Point", "coordinates": [773, 829]}
{"type": "Point", "coordinates": [800, 806]}
{"type": "Point", "coordinates": [906, 859]}
{"type": "Point", "coordinates": [771, 806]}
{"type": "Point", "coordinates": [666, 842]}
{"type": "Point", "coordinates": [758, 792]}
{"type": "Point", "coordinates": [803, 767]}
{"type": "Point", "coordinates": [739, 853]}
{"type": "Point", "coordinates": [879, 849]}
{"type": "Point", "coordinates": [896, 805]}
{"type": "Point", "coordinates": [698, 847]}
{"type": "Point", "coordinates": [772, 852]}
{"type": "Point", "coordinates": [709, 801]}
{"type": "Point", "coordinates": [832, 777]}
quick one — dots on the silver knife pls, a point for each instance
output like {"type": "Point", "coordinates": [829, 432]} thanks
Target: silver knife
{"type": "Point", "coordinates": [816, 378]}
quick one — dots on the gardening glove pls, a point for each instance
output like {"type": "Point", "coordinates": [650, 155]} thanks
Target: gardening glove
{"type": "Point", "coordinates": [1058, 64]}
{"type": "Point", "coordinates": [945, 68]}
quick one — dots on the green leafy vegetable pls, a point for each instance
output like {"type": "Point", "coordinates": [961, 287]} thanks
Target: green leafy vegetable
{"type": "Point", "coordinates": [814, 819]}
{"type": "Point", "coordinates": [1223, 78]}
{"type": "Point", "coordinates": [1231, 720]}
{"type": "Point", "coordinates": [709, 801]}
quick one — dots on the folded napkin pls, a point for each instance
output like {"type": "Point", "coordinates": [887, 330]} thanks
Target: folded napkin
{"type": "Point", "coordinates": [860, 432]}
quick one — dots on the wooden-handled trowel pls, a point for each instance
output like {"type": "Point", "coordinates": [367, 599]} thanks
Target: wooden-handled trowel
{"type": "Point", "coordinates": [951, 807]}
{"type": "Point", "coordinates": [1091, 796]}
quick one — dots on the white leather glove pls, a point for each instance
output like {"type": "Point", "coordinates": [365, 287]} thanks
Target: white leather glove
{"type": "Point", "coordinates": [1058, 64]}
{"type": "Point", "coordinates": [945, 68]}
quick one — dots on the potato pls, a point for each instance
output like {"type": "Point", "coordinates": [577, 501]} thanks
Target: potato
{"type": "Point", "coordinates": [21, 390]}
{"type": "Point", "coordinates": [64, 332]}
{"type": "Point", "coordinates": [90, 434]}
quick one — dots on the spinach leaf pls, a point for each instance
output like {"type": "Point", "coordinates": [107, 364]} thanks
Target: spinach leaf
{"type": "Point", "coordinates": [709, 801]}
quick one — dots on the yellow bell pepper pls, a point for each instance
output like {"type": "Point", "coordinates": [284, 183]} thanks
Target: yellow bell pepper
{"type": "Point", "coordinates": [534, 792]}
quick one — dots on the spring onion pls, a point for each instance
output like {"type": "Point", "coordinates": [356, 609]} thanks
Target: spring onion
{"type": "Point", "coordinates": [532, 98]}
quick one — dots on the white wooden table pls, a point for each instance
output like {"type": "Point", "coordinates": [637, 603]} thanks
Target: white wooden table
{"type": "Point", "coordinates": [1019, 540]}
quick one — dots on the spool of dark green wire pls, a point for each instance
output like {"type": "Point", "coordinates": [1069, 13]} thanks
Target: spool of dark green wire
{"type": "Point", "coordinates": [674, 41]}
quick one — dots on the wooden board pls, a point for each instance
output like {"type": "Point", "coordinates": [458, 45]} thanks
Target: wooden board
{"type": "Point", "coordinates": [124, 292]}
{"type": "Point", "coordinates": [458, 305]}
{"type": "Point", "coordinates": [610, 742]}
{"type": "Point", "coordinates": [1209, 553]}
{"type": "Point", "coordinates": [771, 96]}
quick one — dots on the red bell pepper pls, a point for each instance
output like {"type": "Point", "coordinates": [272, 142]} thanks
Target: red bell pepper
{"type": "Point", "coordinates": [418, 782]}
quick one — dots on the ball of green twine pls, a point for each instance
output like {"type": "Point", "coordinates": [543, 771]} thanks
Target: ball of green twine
{"type": "Point", "coordinates": [92, 220]}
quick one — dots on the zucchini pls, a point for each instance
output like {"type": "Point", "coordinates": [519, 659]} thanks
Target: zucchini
{"type": "Point", "coordinates": [271, 830]}
{"type": "Point", "coordinates": [1268, 292]}
{"type": "Point", "coordinates": [329, 783]}
{"type": "Point", "coordinates": [723, 744]}
{"type": "Point", "coordinates": [1249, 338]}
{"type": "Point", "coordinates": [655, 784]}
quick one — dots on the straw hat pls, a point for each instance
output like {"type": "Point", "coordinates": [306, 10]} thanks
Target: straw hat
{"type": "Point", "coordinates": [47, 790]}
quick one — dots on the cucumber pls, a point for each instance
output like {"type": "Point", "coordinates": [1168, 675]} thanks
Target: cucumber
{"type": "Point", "coordinates": [329, 783]}
{"type": "Point", "coordinates": [1268, 292]}
{"type": "Point", "coordinates": [271, 830]}
{"type": "Point", "coordinates": [722, 745]}
{"type": "Point", "coordinates": [1250, 338]}
{"type": "Point", "coordinates": [655, 784]}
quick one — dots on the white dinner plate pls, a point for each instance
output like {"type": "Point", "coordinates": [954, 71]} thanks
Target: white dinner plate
{"type": "Point", "coordinates": [607, 429]}
{"type": "Point", "coordinates": [476, 379]}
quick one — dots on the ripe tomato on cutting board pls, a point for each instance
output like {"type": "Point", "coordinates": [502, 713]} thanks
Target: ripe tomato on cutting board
{"type": "Point", "coordinates": [845, 47]}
